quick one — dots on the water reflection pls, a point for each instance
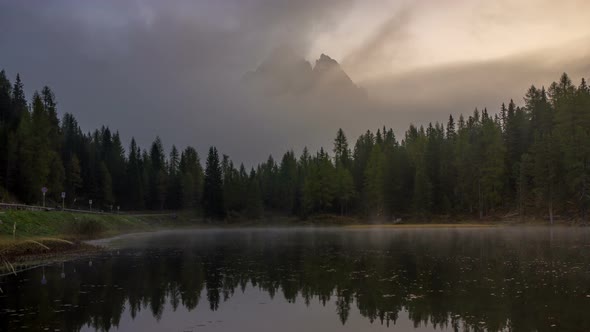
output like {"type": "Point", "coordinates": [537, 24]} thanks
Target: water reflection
{"type": "Point", "coordinates": [461, 280]}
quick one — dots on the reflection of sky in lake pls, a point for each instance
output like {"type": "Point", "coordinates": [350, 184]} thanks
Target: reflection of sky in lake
{"type": "Point", "coordinates": [254, 310]}
{"type": "Point", "coordinates": [494, 279]}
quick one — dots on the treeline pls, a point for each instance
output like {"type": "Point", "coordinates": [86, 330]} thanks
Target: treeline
{"type": "Point", "coordinates": [533, 159]}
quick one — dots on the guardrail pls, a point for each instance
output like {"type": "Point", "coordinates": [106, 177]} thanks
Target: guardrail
{"type": "Point", "coordinates": [25, 207]}
{"type": "Point", "coordinates": [10, 206]}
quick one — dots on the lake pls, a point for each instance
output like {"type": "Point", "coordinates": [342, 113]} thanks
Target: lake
{"type": "Point", "coordinates": [314, 279]}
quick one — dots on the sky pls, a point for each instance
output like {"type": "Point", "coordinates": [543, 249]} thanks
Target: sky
{"type": "Point", "coordinates": [174, 68]}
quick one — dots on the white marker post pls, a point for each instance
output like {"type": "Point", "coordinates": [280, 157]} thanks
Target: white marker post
{"type": "Point", "coordinates": [90, 203]}
{"type": "Point", "coordinates": [44, 191]}
{"type": "Point", "coordinates": [63, 200]}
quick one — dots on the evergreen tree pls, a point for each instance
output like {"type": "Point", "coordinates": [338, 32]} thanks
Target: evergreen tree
{"type": "Point", "coordinates": [213, 205]}
{"type": "Point", "coordinates": [117, 165]}
{"type": "Point", "coordinates": [135, 194]}
{"type": "Point", "coordinates": [374, 183]}
{"type": "Point", "coordinates": [362, 152]}
{"type": "Point", "coordinates": [21, 148]}
{"type": "Point", "coordinates": [287, 182]}
{"type": "Point", "coordinates": [50, 105]}
{"type": "Point", "coordinates": [6, 163]}
{"type": "Point", "coordinates": [341, 150]}
{"type": "Point", "coordinates": [233, 187]}
{"type": "Point", "coordinates": [73, 178]}
{"type": "Point", "coordinates": [174, 191]}
{"type": "Point", "coordinates": [157, 175]}
{"type": "Point", "coordinates": [572, 131]}
{"type": "Point", "coordinates": [106, 186]}
{"type": "Point", "coordinates": [491, 168]}
{"type": "Point", "coordinates": [192, 178]}
{"type": "Point", "coordinates": [253, 199]}
{"type": "Point", "coordinates": [42, 152]}
{"type": "Point", "coordinates": [19, 103]}
{"type": "Point", "coordinates": [344, 188]}
{"type": "Point", "coordinates": [319, 186]}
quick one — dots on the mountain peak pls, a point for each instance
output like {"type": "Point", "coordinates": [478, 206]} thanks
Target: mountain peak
{"type": "Point", "coordinates": [330, 75]}
{"type": "Point", "coordinates": [325, 59]}
{"type": "Point", "coordinates": [286, 72]}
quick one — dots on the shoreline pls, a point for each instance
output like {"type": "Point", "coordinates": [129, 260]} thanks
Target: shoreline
{"type": "Point", "coordinates": [47, 236]}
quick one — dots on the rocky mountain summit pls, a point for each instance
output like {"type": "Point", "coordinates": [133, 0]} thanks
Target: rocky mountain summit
{"type": "Point", "coordinates": [286, 73]}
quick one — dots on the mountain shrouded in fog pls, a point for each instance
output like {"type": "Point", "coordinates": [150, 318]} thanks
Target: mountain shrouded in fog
{"type": "Point", "coordinates": [284, 72]}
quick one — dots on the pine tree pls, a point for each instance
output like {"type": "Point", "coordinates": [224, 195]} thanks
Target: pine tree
{"type": "Point", "coordinates": [213, 205]}
{"type": "Point", "coordinates": [106, 186]}
{"type": "Point", "coordinates": [490, 184]}
{"type": "Point", "coordinates": [21, 148]}
{"type": "Point", "coordinates": [319, 186]}
{"type": "Point", "coordinates": [56, 177]}
{"type": "Point", "coordinates": [545, 156]}
{"type": "Point", "coordinates": [374, 183]}
{"type": "Point", "coordinates": [157, 175]}
{"type": "Point", "coordinates": [254, 204]}
{"type": "Point", "coordinates": [341, 150]}
{"type": "Point", "coordinates": [451, 133]}
{"type": "Point", "coordinates": [287, 182]}
{"type": "Point", "coordinates": [422, 199]}
{"type": "Point", "coordinates": [42, 152]}
{"type": "Point", "coordinates": [232, 187]}
{"type": "Point", "coordinates": [192, 178]}
{"type": "Point", "coordinates": [174, 191]}
{"type": "Point", "coordinates": [19, 103]}
{"type": "Point", "coordinates": [573, 136]}
{"type": "Point", "coordinates": [6, 131]}
{"type": "Point", "coordinates": [73, 178]}
{"type": "Point", "coordinates": [135, 190]}
{"type": "Point", "coordinates": [50, 106]}
{"type": "Point", "coordinates": [362, 152]}
{"type": "Point", "coordinates": [344, 189]}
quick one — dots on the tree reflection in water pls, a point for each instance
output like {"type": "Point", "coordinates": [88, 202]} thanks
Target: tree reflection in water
{"type": "Point", "coordinates": [469, 279]}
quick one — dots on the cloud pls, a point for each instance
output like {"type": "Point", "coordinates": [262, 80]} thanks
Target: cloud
{"type": "Point", "coordinates": [381, 45]}
{"type": "Point", "coordinates": [170, 68]}
{"type": "Point", "coordinates": [431, 94]}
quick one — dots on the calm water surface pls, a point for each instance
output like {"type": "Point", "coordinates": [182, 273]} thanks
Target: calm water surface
{"type": "Point", "coordinates": [497, 279]}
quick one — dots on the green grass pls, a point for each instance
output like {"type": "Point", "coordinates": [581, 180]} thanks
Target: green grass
{"type": "Point", "coordinates": [45, 233]}
{"type": "Point", "coordinates": [30, 224]}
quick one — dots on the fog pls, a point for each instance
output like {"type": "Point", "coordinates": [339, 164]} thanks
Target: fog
{"type": "Point", "coordinates": [176, 69]}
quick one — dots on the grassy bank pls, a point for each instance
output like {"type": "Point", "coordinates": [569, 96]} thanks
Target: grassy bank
{"type": "Point", "coordinates": [77, 225]}
{"type": "Point", "coordinates": [49, 232]}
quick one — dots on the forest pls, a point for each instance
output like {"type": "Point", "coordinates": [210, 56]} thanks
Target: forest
{"type": "Point", "coordinates": [529, 160]}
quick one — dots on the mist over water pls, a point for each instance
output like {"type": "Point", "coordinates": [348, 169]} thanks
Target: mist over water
{"type": "Point", "coordinates": [492, 279]}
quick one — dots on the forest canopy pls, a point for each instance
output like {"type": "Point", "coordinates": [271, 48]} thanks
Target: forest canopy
{"type": "Point", "coordinates": [532, 159]}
